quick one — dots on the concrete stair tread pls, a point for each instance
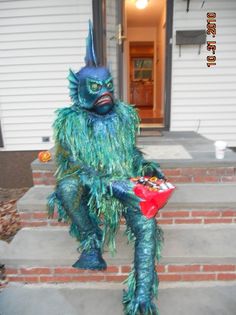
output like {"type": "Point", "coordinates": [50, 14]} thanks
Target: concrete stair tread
{"type": "Point", "coordinates": [201, 298]}
{"type": "Point", "coordinates": [184, 244]}
{"type": "Point", "coordinates": [194, 196]}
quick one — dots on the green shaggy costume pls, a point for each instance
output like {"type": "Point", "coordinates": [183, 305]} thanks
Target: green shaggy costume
{"type": "Point", "coordinates": [96, 156]}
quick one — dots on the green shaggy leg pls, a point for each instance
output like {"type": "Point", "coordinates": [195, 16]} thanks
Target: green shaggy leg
{"type": "Point", "coordinates": [142, 281]}
{"type": "Point", "coordinates": [84, 225]}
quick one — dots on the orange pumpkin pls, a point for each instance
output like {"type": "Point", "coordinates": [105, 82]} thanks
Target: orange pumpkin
{"type": "Point", "coordinates": [44, 156]}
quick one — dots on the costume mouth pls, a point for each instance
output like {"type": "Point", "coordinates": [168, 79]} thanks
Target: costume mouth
{"type": "Point", "coordinates": [104, 99]}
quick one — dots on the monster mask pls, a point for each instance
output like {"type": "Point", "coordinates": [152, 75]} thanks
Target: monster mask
{"type": "Point", "coordinates": [92, 87]}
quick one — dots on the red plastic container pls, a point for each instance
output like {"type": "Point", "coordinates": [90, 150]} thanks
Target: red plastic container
{"type": "Point", "coordinates": [153, 198]}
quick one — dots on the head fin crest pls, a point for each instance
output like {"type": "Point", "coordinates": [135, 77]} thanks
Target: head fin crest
{"type": "Point", "coordinates": [73, 86]}
{"type": "Point", "coordinates": [90, 58]}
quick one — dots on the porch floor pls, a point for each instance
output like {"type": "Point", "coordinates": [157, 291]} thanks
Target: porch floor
{"type": "Point", "coordinates": [172, 150]}
{"type": "Point", "coordinates": [185, 148]}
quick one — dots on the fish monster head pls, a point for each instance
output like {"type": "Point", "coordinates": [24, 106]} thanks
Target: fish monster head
{"type": "Point", "coordinates": [92, 87]}
{"type": "Point", "coordinates": [95, 89]}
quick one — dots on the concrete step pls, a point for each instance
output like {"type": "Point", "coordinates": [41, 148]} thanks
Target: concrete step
{"type": "Point", "coordinates": [190, 203]}
{"type": "Point", "coordinates": [200, 298]}
{"type": "Point", "coordinates": [190, 253]}
{"type": "Point", "coordinates": [183, 244]}
{"type": "Point", "coordinates": [195, 196]}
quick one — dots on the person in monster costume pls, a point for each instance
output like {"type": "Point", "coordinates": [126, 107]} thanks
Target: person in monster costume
{"type": "Point", "coordinates": [96, 155]}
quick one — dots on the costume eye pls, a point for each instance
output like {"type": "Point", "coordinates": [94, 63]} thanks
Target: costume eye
{"type": "Point", "coordinates": [95, 87]}
{"type": "Point", "coordinates": [109, 85]}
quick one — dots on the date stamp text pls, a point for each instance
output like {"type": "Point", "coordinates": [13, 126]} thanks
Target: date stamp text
{"type": "Point", "coordinates": [211, 44]}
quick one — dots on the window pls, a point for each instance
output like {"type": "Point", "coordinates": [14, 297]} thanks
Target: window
{"type": "Point", "coordinates": [143, 69]}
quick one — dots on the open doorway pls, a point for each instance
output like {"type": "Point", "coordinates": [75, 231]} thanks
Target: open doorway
{"type": "Point", "coordinates": [144, 54]}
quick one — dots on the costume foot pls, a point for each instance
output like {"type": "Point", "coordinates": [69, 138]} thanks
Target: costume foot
{"type": "Point", "coordinates": [91, 259]}
{"type": "Point", "coordinates": [148, 308]}
{"type": "Point", "coordinates": [138, 306]}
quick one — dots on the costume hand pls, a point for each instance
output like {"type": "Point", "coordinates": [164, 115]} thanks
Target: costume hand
{"type": "Point", "coordinates": [123, 190]}
{"type": "Point", "coordinates": [153, 169]}
{"type": "Point", "coordinates": [159, 174]}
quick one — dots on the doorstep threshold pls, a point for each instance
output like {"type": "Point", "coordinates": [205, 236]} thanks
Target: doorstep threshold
{"type": "Point", "coordinates": [151, 125]}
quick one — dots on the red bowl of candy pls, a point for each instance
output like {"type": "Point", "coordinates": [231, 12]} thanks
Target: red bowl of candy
{"type": "Point", "coordinates": [154, 193]}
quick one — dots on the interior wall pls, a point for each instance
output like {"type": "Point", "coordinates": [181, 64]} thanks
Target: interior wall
{"type": "Point", "coordinates": [141, 34]}
{"type": "Point", "coordinates": [160, 62]}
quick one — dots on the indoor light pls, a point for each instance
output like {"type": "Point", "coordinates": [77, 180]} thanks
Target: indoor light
{"type": "Point", "coordinates": [141, 4]}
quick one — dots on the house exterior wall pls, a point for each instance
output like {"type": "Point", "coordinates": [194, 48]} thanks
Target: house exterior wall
{"type": "Point", "coordinates": [204, 99]}
{"type": "Point", "coordinates": [39, 42]}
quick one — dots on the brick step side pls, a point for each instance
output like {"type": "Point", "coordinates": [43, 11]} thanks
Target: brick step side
{"type": "Point", "coordinates": [34, 219]}
{"type": "Point", "coordinates": [177, 175]}
{"type": "Point", "coordinates": [176, 273]}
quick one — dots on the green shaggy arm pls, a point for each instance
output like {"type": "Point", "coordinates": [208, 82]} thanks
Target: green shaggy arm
{"type": "Point", "coordinates": [96, 182]}
{"type": "Point", "coordinates": [68, 156]}
{"type": "Point", "coordinates": [147, 168]}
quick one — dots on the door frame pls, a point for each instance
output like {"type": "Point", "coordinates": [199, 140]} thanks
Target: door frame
{"type": "Point", "coordinates": [168, 58]}
{"type": "Point", "coordinates": [120, 9]}
{"type": "Point", "coordinates": [99, 19]}
{"type": "Point", "coordinates": [168, 63]}
{"type": "Point", "coordinates": [99, 26]}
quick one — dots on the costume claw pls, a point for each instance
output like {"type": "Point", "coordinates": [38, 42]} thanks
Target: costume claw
{"type": "Point", "coordinates": [91, 260]}
{"type": "Point", "coordinates": [138, 306]}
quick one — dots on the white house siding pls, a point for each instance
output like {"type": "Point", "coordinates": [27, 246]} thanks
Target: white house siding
{"type": "Point", "coordinates": [111, 41]}
{"type": "Point", "coordinates": [39, 42]}
{"type": "Point", "coordinates": [204, 99]}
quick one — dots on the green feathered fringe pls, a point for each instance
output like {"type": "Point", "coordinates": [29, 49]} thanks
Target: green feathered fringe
{"type": "Point", "coordinates": [109, 220]}
{"type": "Point", "coordinates": [130, 305]}
{"type": "Point", "coordinates": [55, 203]}
{"type": "Point", "coordinates": [110, 212]}
{"type": "Point", "coordinates": [102, 143]}
{"type": "Point", "coordinates": [96, 150]}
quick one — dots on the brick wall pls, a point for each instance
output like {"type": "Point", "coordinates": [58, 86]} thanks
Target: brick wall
{"type": "Point", "coordinates": [191, 216]}
{"type": "Point", "coordinates": [170, 272]}
{"type": "Point", "coordinates": [177, 175]}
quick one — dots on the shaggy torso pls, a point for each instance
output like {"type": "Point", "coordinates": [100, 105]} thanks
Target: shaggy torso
{"type": "Point", "coordinates": [106, 144]}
